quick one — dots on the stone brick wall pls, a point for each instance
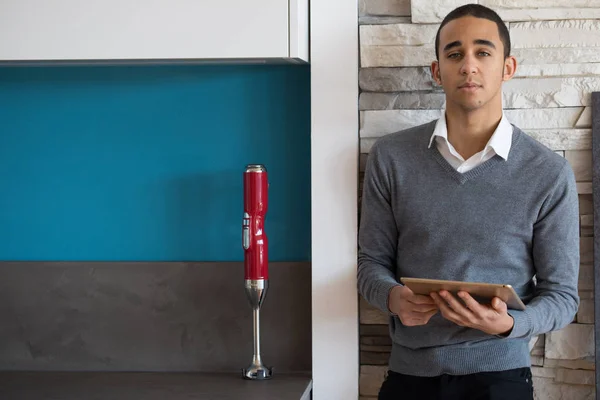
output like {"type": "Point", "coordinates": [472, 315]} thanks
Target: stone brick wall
{"type": "Point", "coordinates": [557, 46]}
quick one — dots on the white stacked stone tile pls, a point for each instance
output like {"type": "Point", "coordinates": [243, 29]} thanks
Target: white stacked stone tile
{"type": "Point", "coordinates": [397, 35]}
{"type": "Point", "coordinates": [573, 55]}
{"type": "Point", "coordinates": [404, 45]}
{"type": "Point", "coordinates": [540, 3]}
{"type": "Point", "coordinates": [424, 11]}
{"type": "Point", "coordinates": [366, 144]}
{"type": "Point", "coordinates": [537, 361]}
{"type": "Point", "coordinates": [585, 119]}
{"type": "Point", "coordinates": [581, 163]}
{"type": "Point", "coordinates": [587, 220]}
{"type": "Point", "coordinates": [380, 122]}
{"type": "Point", "coordinates": [586, 295]}
{"type": "Point", "coordinates": [533, 343]}
{"type": "Point", "coordinates": [585, 364]}
{"type": "Point", "coordinates": [403, 101]}
{"type": "Point", "coordinates": [371, 378]}
{"type": "Point", "coordinates": [371, 20]}
{"type": "Point", "coordinates": [533, 14]}
{"type": "Point", "coordinates": [555, 34]}
{"type": "Point", "coordinates": [586, 246]}
{"type": "Point", "coordinates": [585, 314]}
{"type": "Point", "coordinates": [563, 139]}
{"type": "Point", "coordinates": [534, 92]}
{"type": "Point", "coordinates": [584, 187]}
{"type": "Point", "coordinates": [586, 226]}
{"type": "Point", "coordinates": [370, 315]}
{"type": "Point", "coordinates": [574, 377]}
{"type": "Point", "coordinates": [575, 139]}
{"type": "Point", "coordinates": [573, 342]}
{"type": "Point", "coordinates": [403, 79]}
{"type": "Point", "coordinates": [586, 276]}
{"type": "Point", "coordinates": [557, 70]}
{"type": "Point", "coordinates": [515, 10]}
{"type": "Point", "coordinates": [396, 56]}
{"type": "Point", "coordinates": [423, 55]}
{"type": "Point", "coordinates": [547, 389]}
{"type": "Point", "coordinates": [419, 56]}
{"type": "Point", "coordinates": [545, 118]}
{"type": "Point", "coordinates": [586, 204]}
{"type": "Point", "coordinates": [545, 92]}
{"type": "Point", "coordinates": [384, 7]}
{"type": "Point", "coordinates": [543, 372]}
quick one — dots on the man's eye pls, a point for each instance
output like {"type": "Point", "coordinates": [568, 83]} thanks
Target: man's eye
{"type": "Point", "coordinates": [484, 53]}
{"type": "Point", "coordinates": [454, 55]}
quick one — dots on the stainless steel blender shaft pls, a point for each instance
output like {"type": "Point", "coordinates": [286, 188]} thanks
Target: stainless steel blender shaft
{"type": "Point", "coordinates": [256, 291]}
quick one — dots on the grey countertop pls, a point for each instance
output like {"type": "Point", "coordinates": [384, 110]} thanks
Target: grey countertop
{"type": "Point", "coordinates": [149, 386]}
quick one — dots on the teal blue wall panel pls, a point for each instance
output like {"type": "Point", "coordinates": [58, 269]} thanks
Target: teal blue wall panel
{"type": "Point", "coordinates": [145, 162]}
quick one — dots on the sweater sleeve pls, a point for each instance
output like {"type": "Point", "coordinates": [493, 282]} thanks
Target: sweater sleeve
{"type": "Point", "coordinates": [378, 235]}
{"type": "Point", "coordinates": [556, 260]}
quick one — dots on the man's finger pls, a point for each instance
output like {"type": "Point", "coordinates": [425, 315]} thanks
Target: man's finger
{"type": "Point", "coordinates": [423, 308]}
{"type": "Point", "coordinates": [456, 305]}
{"type": "Point", "coordinates": [445, 309]}
{"type": "Point", "coordinates": [418, 318]}
{"type": "Point", "coordinates": [471, 303]}
{"type": "Point", "coordinates": [430, 314]}
{"type": "Point", "coordinates": [420, 299]}
{"type": "Point", "coordinates": [499, 305]}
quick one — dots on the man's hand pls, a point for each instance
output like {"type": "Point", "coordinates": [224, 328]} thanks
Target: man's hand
{"type": "Point", "coordinates": [493, 319]}
{"type": "Point", "coordinates": [412, 309]}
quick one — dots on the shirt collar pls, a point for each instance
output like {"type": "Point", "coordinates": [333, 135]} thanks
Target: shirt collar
{"type": "Point", "coordinates": [500, 141]}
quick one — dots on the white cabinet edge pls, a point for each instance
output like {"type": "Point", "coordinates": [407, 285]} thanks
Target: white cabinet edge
{"type": "Point", "coordinates": [299, 30]}
{"type": "Point", "coordinates": [66, 31]}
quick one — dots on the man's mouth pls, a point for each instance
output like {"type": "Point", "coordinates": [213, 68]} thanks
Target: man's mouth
{"type": "Point", "coordinates": [469, 87]}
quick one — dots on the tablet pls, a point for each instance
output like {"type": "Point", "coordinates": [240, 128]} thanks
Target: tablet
{"type": "Point", "coordinates": [482, 292]}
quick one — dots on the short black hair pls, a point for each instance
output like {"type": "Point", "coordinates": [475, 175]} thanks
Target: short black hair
{"type": "Point", "coordinates": [477, 11]}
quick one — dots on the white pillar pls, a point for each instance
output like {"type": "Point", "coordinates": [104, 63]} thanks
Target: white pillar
{"type": "Point", "coordinates": [334, 185]}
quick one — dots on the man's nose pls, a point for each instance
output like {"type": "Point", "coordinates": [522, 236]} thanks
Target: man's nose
{"type": "Point", "coordinates": [469, 66]}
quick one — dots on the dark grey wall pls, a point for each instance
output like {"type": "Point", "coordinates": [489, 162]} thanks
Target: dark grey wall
{"type": "Point", "coordinates": [149, 317]}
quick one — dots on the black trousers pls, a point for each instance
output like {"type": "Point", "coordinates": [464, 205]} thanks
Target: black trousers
{"type": "Point", "coordinates": [513, 384]}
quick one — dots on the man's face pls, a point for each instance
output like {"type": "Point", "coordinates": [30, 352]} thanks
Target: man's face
{"type": "Point", "coordinates": [471, 66]}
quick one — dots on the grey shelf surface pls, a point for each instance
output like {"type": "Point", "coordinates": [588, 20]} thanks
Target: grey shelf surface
{"type": "Point", "coordinates": [149, 386]}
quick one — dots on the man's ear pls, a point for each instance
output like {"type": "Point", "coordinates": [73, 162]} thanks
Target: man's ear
{"type": "Point", "coordinates": [435, 72]}
{"type": "Point", "coordinates": [510, 68]}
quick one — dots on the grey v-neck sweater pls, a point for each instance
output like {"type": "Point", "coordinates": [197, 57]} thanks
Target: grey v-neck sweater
{"type": "Point", "coordinates": [501, 222]}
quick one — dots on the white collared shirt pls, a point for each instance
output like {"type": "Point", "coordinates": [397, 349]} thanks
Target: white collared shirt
{"type": "Point", "coordinates": [499, 144]}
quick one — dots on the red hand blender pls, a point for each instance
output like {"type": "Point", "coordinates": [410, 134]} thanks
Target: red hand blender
{"type": "Point", "coordinates": [256, 270]}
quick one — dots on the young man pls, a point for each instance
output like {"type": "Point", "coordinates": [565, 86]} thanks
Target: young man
{"type": "Point", "coordinates": [468, 197]}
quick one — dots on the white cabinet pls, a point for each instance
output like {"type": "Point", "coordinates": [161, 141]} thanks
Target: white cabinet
{"type": "Point", "coordinates": [53, 30]}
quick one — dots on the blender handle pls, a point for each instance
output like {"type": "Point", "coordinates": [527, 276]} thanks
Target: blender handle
{"type": "Point", "coordinates": [246, 231]}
